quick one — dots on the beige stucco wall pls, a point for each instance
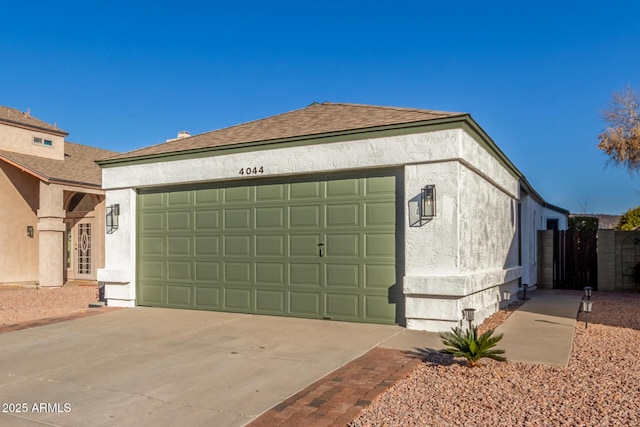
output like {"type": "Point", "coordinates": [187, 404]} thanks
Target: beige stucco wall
{"type": "Point", "coordinates": [20, 140]}
{"type": "Point", "coordinates": [18, 206]}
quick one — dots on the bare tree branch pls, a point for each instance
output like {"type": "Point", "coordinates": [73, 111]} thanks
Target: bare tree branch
{"type": "Point", "coordinates": [621, 139]}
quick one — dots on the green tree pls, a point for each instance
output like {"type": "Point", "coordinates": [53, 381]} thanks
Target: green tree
{"type": "Point", "coordinates": [630, 220]}
{"type": "Point", "coordinates": [621, 139]}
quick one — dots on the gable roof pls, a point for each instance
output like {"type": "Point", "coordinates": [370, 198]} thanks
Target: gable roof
{"type": "Point", "coordinates": [316, 119]}
{"type": "Point", "coordinates": [78, 166]}
{"type": "Point", "coordinates": [14, 117]}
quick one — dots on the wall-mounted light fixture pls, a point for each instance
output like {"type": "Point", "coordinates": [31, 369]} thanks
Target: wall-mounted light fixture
{"type": "Point", "coordinates": [30, 231]}
{"type": "Point", "coordinates": [113, 212]}
{"type": "Point", "coordinates": [428, 202]}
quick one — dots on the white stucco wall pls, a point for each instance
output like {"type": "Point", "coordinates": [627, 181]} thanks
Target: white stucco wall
{"type": "Point", "coordinates": [464, 257]}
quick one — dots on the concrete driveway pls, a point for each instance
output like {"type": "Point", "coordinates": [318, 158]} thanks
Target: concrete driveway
{"type": "Point", "coordinates": [162, 367]}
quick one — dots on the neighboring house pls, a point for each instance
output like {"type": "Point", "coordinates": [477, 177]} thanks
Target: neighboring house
{"type": "Point", "coordinates": [605, 221]}
{"type": "Point", "coordinates": [52, 210]}
{"type": "Point", "coordinates": [334, 211]}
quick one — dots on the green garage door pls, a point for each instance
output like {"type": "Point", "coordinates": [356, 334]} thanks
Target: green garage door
{"type": "Point", "coordinates": [322, 248]}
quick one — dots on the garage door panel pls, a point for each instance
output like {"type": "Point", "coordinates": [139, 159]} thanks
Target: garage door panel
{"type": "Point", "coordinates": [207, 220]}
{"type": "Point", "coordinates": [270, 245]}
{"type": "Point", "coordinates": [179, 295]}
{"type": "Point", "coordinates": [380, 276]}
{"type": "Point", "coordinates": [237, 299]}
{"type": "Point", "coordinates": [269, 218]}
{"type": "Point", "coordinates": [179, 198]}
{"type": "Point", "coordinates": [342, 245]}
{"type": "Point", "coordinates": [378, 308]}
{"type": "Point", "coordinates": [152, 269]}
{"type": "Point", "coordinates": [179, 270]}
{"type": "Point", "coordinates": [304, 303]}
{"type": "Point", "coordinates": [343, 275]}
{"type": "Point", "coordinates": [380, 245]}
{"type": "Point", "coordinates": [237, 194]}
{"type": "Point", "coordinates": [270, 193]}
{"type": "Point", "coordinates": [339, 188]}
{"type": "Point", "coordinates": [179, 221]}
{"type": "Point", "coordinates": [304, 216]}
{"type": "Point", "coordinates": [269, 301]}
{"type": "Point", "coordinates": [380, 214]}
{"type": "Point", "coordinates": [304, 245]}
{"type": "Point", "coordinates": [380, 185]}
{"type": "Point", "coordinates": [152, 294]}
{"type": "Point", "coordinates": [207, 245]}
{"type": "Point", "coordinates": [207, 196]}
{"type": "Point", "coordinates": [304, 190]}
{"type": "Point", "coordinates": [269, 272]}
{"type": "Point", "coordinates": [343, 215]}
{"type": "Point", "coordinates": [179, 245]}
{"type": "Point", "coordinates": [304, 274]}
{"type": "Point", "coordinates": [207, 271]}
{"type": "Point", "coordinates": [207, 297]}
{"type": "Point", "coordinates": [342, 306]}
{"type": "Point", "coordinates": [238, 272]}
{"type": "Point", "coordinates": [299, 247]}
{"type": "Point", "coordinates": [237, 245]}
{"type": "Point", "coordinates": [237, 219]}
{"type": "Point", "coordinates": [152, 245]}
{"type": "Point", "coordinates": [151, 221]}
{"type": "Point", "coordinates": [153, 200]}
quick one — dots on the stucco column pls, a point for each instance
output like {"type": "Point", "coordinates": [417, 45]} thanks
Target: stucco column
{"type": "Point", "coordinates": [51, 228]}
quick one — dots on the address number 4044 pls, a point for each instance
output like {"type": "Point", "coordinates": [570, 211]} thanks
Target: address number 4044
{"type": "Point", "coordinates": [251, 171]}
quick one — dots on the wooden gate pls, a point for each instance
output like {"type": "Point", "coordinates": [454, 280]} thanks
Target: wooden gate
{"type": "Point", "coordinates": [575, 259]}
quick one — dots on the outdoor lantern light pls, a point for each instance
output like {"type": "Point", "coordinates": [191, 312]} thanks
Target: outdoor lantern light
{"type": "Point", "coordinates": [586, 307]}
{"type": "Point", "coordinates": [506, 295]}
{"type": "Point", "coordinates": [30, 231]}
{"type": "Point", "coordinates": [469, 314]}
{"type": "Point", "coordinates": [428, 202]}
{"type": "Point", "coordinates": [113, 211]}
{"type": "Point", "coordinates": [587, 292]}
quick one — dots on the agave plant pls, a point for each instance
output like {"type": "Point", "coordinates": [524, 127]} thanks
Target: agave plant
{"type": "Point", "coordinates": [472, 347]}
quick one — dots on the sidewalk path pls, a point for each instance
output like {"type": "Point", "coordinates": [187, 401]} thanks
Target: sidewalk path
{"type": "Point", "coordinates": [541, 330]}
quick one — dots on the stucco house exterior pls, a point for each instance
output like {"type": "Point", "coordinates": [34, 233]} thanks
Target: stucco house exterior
{"type": "Point", "coordinates": [52, 210]}
{"type": "Point", "coordinates": [333, 211]}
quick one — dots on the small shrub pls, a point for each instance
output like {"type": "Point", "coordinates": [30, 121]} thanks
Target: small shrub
{"type": "Point", "coordinates": [472, 347]}
{"type": "Point", "coordinates": [630, 220]}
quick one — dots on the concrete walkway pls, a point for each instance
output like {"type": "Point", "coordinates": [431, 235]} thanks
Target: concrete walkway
{"type": "Point", "coordinates": [541, 331]}
{"type": "Point", "coordinates": [538, 332]}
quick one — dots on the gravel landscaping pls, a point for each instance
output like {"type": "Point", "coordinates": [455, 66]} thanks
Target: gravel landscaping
{"type": "Point", "coordinates": [19, 305]}
{"type": "Point", "coordinates": [600, 387]}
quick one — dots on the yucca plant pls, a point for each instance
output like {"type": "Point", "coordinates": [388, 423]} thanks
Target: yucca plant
{"type": "Point", "coordinates": [472, 347]}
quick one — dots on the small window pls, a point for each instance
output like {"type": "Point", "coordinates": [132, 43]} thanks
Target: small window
{"type": "Point", "coordinates": [48, 143]}
{"type": "Point", "coordinates": [37, 140]}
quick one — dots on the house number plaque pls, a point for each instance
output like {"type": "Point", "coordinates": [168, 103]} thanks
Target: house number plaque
{"type": "Point", "coordinates": [251, 171]}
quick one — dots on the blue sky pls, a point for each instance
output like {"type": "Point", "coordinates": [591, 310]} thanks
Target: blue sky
{"type": "Point", "coordinates": [534, 75]}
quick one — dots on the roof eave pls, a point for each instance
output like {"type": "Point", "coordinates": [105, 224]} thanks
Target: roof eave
{"type": "Point", "coordinates": [57, 132]}
{"type": "Point", "coordinates": [300, 138]}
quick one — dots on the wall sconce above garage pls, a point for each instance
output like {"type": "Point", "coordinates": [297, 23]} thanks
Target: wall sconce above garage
{"type": "Point", "coordinates": [428, 202]}
{"type": "Point", "coordinates": [113, 212]}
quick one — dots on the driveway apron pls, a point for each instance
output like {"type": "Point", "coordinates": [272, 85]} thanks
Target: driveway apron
{"type": "Point", "coordinates": [167, 367]}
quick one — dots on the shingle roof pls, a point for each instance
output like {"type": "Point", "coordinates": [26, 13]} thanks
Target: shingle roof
{"type": "Point", "coordinates": [17, 117]}
{"type": "Point", "coordinates": [78, 166]}
{"type": "Point", "coordinates": [315, 119]}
